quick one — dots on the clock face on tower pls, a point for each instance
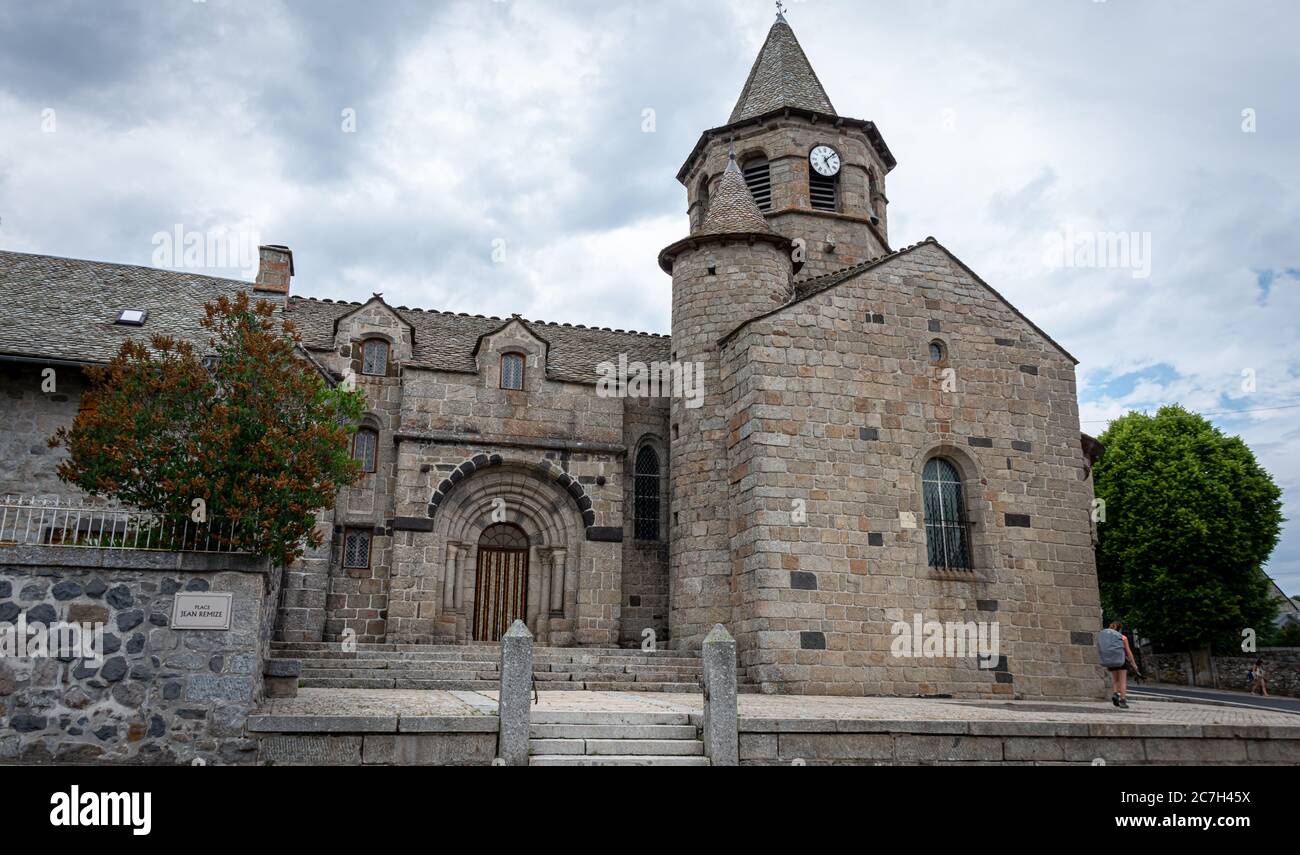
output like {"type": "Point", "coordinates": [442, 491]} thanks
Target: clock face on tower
{"type": "Point", "coordinates": [825, 160]}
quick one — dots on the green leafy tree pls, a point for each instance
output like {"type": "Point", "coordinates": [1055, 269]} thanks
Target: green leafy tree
{"type": "Point", "coordinates": [252, 430]}
{"type": "Point", "coordinates": [1190, 518]}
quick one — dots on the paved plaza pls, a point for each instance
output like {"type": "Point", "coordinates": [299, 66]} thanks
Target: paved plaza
{"type": "Point", "coordinates": [907, 712]}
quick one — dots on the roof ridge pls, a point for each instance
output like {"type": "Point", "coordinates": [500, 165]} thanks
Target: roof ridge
{"type": "Point", "coordinates": [802, 285]}
{"type": "Point", "coordinates": [97, 263]}
{"type": "Point", "coordinates": [303, 297]}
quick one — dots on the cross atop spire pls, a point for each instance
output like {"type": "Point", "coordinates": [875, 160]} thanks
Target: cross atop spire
{"type": "Point", "coordinates": [781, 77]}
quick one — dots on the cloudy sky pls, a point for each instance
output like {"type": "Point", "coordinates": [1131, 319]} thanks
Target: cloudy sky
{"type": "Point", "coordinates": [498, 157]}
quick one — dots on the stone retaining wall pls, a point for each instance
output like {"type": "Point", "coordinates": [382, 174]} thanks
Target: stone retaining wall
{"type": "Point", "coordinates": [945, 743]}
{"type": "Point", "coordinates": [1281, 670]}
{"type": "Point", "coordinates": [158, 695]}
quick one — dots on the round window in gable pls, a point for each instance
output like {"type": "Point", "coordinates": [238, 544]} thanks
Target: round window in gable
{"type": "Point", "coordinates": [938, 353]}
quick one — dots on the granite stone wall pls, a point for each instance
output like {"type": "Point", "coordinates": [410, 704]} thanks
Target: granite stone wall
{"type": "Point", "coordinates": [645, 562]}
{"type": "Point", "coordinates": [716, 287]}
{"type": "Point", "coordinates": [1281, 670]}
{"type": "Point", "coordinates": [28, 418]}
{"type": "Point", "coordinates": [835, 414]}
{"type": "Point", "coordinates": [159, 695]}
{"type": "Point", "coordinates": [557, 455]}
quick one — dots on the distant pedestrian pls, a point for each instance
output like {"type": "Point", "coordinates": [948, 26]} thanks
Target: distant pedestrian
{"type": "Point", "coordinates": [1257, 685]}
{"type": "Point", "coordinates": [1116, 657]}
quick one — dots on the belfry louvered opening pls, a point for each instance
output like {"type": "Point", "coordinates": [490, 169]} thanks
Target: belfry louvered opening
{"type": "Point", "coordinates": [823, 192]}
{"type": "Point", "coordinates": [758, 177]}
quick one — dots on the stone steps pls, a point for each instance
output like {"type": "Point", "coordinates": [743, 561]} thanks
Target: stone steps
{"type": "Point", "coordinates": [482, 661]}
{"type": "Point", "coordinates": [483, 650]}
{"type": "Point", "coordinates": [613, 760]}
{"type": "Point", "coordinates": [538, 667]}
{"type": "Point", "coordinates": [473, 685]}
{"type": "Point", "coordinates": [612, 731]}
{"type": "Point", "coordinates": [591, 738]}
{"type": "Point", "coordinates": [475, 667]}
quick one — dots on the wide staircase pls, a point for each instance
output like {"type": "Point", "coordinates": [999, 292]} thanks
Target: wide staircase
{"type": "Point", "coordinates": [475, 667]}
{"type": "Point", "coordinates": [592, 738]}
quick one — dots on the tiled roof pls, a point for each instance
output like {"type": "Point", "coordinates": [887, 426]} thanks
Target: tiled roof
{"type": "Point", "coordinates": [812, 287]}
{"type": "Point", "coordinates": [781, 77]}
{"type": "Point", "coordinates": [65, 309]}
{"type": "Point", "coordinates": [732, 210]}
{"type": "Point", "coordinates": [446, 340]}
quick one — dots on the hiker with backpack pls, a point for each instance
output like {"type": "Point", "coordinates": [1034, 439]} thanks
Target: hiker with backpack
{"type": "Point", "coordinates": [1116, 657]}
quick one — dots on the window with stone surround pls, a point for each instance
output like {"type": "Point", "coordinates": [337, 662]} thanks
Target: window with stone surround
{"type": "Point", "coordinates": [512, 371]}
{"type": "Point", "coordinates": [374, 357]}
{"type": "Point", "coordinates": [947, 534]}
{"type": "Point", "coordinates": [364, 446]}
{"type": "Point", "coordinates": [938, 352]}
{"type": "Point", "coordinates": [356, 549]}
{"type": "Point", "coordinates": [645, 483]}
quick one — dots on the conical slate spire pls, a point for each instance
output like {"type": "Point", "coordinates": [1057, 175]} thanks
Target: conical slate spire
{"type": "Point", "coordinates": [732, 210]}
{"type": "Point", "coordinates": [781, 77]}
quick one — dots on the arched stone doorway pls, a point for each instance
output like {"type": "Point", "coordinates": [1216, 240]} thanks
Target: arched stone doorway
{"type": "Point", "coordinates": [459, 565]}
{"type": "Point", "coordinates": [501, 581]}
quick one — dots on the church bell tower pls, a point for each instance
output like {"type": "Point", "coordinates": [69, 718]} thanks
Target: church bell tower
{"type": "Point", "coordinates": [817, 177]}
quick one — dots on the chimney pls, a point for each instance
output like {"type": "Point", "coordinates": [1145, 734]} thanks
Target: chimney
{"type": "Point", "coordinates": [274, 269]}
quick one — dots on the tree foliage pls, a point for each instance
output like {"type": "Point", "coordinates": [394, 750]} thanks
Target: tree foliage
{"type": "Point", "coordinates": [252, 429]}
{"type": "Point", "coordinates": [1190, 518]}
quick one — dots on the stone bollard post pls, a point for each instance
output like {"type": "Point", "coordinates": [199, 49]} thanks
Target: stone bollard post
{"type": "Point", "coordinates": [515, 694]}
{"type": "Point", "coordinates": [721, 742]}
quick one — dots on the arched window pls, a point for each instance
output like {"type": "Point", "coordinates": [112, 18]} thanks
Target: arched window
{"type": "Point", "coordinates": [947, 539]}
{"type": "Point", "coordinates": [364, 445]}
{"type": "Point", "coordinates": [758, 176]}
{"type": "Point", "coordinates": [938, 353]}
{"type": "Point", "coordinates": [503, 536]}
{"type": "Point", "coordinates": [645, 509]}
{"type": "Point", "coordinates": [512, 371]}
{"type": "Point", "coordinates": [702, 197]}
{"type": "Point", "coordinates": [374, 357]}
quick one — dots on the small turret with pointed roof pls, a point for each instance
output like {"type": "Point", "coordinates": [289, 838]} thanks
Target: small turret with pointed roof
{"type": "Point", "coordinates": [732, 209]}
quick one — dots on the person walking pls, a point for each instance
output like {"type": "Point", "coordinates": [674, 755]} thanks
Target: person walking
{"type": "Point", "coordinates": [1257, 685]}
{"type": "Point", "coordinates": [1116, 657]}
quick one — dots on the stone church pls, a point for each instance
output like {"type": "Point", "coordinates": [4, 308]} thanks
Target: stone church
{"type": "Point", "coordinates": [882, 438]}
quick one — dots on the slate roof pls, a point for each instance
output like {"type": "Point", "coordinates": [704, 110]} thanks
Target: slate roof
{"type": "Point", "coordinates": [781, 77]}
{"type": "Point", "coordinates": [65, 309]}
{"type": "Point", "coordinates": [445, 341]}
{"type": "Point", "coordinates": [732, 210]}
{"type": "Point", "coordinates": [806, 288]}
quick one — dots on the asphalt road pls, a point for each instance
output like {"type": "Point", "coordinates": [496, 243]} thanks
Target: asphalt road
{"type": "Point", "coordinates": [1277, 703]}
